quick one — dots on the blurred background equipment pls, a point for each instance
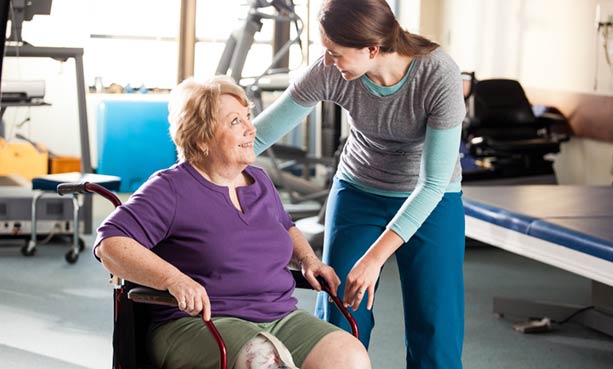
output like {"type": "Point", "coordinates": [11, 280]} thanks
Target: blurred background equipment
{"type": "Point", "coordinates": [506, 136]}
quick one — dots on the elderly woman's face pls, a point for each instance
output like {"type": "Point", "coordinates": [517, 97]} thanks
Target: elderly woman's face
{"type": "Point", "coordinates": [233, 140]}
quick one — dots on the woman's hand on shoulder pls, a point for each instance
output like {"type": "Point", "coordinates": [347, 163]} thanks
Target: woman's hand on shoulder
{"type": "Point", "coordinates": [312, 267]}
{"type": "Point", "coordinates": [191, 296]}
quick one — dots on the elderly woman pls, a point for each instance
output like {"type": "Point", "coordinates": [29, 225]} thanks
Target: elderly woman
{"type": "Point", "coordinates": [213, 232]}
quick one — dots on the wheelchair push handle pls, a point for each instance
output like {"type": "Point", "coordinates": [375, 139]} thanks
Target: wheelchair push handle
{"type": "Point", "coordinates": [87, 187]}
{"type": "Point", "coordinates": [340, 306]}
{"type": "Point", "coordinates": [69, 188]}
{"type": "Point", "coordinates": [301, 282]}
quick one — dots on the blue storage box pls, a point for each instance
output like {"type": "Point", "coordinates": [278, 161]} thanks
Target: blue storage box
{"type": "Point", "coordinates": [133, 140]}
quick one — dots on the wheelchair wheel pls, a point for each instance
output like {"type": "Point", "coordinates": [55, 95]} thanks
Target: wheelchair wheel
{"type": "Point", "coordinates": [26, 250]}
{"type": "Point", "coordinates": [72, 257]}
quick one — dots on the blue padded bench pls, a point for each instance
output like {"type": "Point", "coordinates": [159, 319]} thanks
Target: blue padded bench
{"type": "Point", "coordinates": [577, 217]}
{"type": "Point", "coordinates": [48, 185]}
{"type": "Point", "coordinates": [50, 182]}
{"type": "Point", "coordinates": [570, 227]}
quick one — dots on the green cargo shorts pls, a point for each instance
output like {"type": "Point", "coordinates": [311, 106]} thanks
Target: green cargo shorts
{"type": "Point", "coordinates": [187, 342]}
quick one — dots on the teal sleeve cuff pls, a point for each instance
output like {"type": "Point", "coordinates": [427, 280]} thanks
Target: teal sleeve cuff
{"type": "Point", "coordinates": [277, 120]}
{"type": "Point", "coordinates": [439, 158]}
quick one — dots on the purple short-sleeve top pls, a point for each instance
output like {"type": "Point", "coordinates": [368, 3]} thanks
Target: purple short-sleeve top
{"type": "Point", "coordinates": [240, 258]}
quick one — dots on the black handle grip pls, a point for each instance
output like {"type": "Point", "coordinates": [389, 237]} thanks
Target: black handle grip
{"type": "Point", "coordinates": [322, 282]}
{"type": "Point", "coordinates": [65, 188]}
{"type": "Point", "coordinates": [151, 296]}
{"type": "Point", "coordinates": [301, 282]}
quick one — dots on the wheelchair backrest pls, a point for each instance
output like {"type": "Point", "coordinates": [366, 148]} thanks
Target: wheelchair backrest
{"type": "Point", "coordinates": [499, 109]}
{"type": "Point", "coordinates": [501, 102]}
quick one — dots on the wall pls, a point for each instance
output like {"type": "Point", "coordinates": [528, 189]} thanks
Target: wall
{"type": "Point", "coordinates": [585, 161]}
{"type": "Point", "coordinates": [430, 19]}
{"type": "Point", "coordinates": [409, 14]}
{"type": "Point", "coordinates": [544, 43]}
{"type": "Point", "coordinates": [552, 48]}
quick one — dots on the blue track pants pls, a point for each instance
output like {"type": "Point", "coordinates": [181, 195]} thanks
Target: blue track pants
{"type": "Point", "coordinates": [430, 266]}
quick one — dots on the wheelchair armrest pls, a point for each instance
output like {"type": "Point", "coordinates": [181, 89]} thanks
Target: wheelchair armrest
{"type": "Point", "coordinates": [301, 282]}
{"type": "Point", "coordinates": [151, 296]}
{"type": "Point", "coordinates": [551, 117]}
{"type": "Point", "coordinates": [551, 113]}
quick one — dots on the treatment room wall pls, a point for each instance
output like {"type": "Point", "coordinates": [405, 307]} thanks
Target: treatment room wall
{"type": "Point", "coordinates": [553, 49]}
{"type": "Point", "coordinates": [544, 43]}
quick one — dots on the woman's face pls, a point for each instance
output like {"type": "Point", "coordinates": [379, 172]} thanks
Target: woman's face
{"type": "Point", "coordinates": [232, 143]}
{"type": "Point", "coordinates": [351, 62]}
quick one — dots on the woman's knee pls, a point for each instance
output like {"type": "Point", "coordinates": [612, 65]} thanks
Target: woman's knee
{"type": "Point", "coordinates": [338, 350]}
{"type": "Point", "coordinates": [263, 353]}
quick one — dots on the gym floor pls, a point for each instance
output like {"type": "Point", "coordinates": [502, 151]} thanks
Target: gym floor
{"type": "Point", "coordinates": [56, 315]}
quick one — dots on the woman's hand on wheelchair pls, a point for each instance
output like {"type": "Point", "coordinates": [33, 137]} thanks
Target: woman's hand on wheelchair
{"type": "Point", "coordinates": [312, 268]}
{"type": "Point", "coordinates": [191, 296]}
{"type": "Point", "coordinates": [361, 281]}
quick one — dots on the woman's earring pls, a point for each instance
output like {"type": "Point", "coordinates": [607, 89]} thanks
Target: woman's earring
{"type": "Point", "coordinates": [205, 151]}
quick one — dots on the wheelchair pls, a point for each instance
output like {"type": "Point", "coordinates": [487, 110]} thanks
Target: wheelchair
{"type": "Point", "coordinates": [505, 134]}
{"type": "Point", "coordinates": [130, 313]}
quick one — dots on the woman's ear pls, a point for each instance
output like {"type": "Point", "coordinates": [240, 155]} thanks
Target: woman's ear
{"type": "Point", "coordinates": [373, 51]}
{"type": "Point", "coordinates": [204, 148]}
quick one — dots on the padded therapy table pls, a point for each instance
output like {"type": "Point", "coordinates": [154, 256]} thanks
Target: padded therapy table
{"type": "Point", "coordinates": [569, 227]}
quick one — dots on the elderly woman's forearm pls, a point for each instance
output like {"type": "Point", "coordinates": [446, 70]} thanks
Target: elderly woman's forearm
{"type": "Point", "coordinates": [302, 248]}
{"type": "Point", "coordinates": [126, 258]}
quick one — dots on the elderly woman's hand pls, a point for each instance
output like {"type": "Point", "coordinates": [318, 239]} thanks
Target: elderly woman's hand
{"type": "Point", "coordinates": [313, 267]}
{"type": "Point", "coordinates": [191, 296]}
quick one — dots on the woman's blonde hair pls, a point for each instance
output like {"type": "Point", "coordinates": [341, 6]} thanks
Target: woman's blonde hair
{"type": "Point", "coordinates": [193, 113]}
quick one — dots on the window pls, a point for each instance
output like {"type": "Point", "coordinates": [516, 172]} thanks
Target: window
{"type": "Point", "coordinates": [214, 27]}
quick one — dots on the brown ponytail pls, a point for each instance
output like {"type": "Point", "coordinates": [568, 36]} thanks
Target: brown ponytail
{"type": "Point", "coordinates": [364, 23]}
{"type": "Point", "coordinates": [412, 44]}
